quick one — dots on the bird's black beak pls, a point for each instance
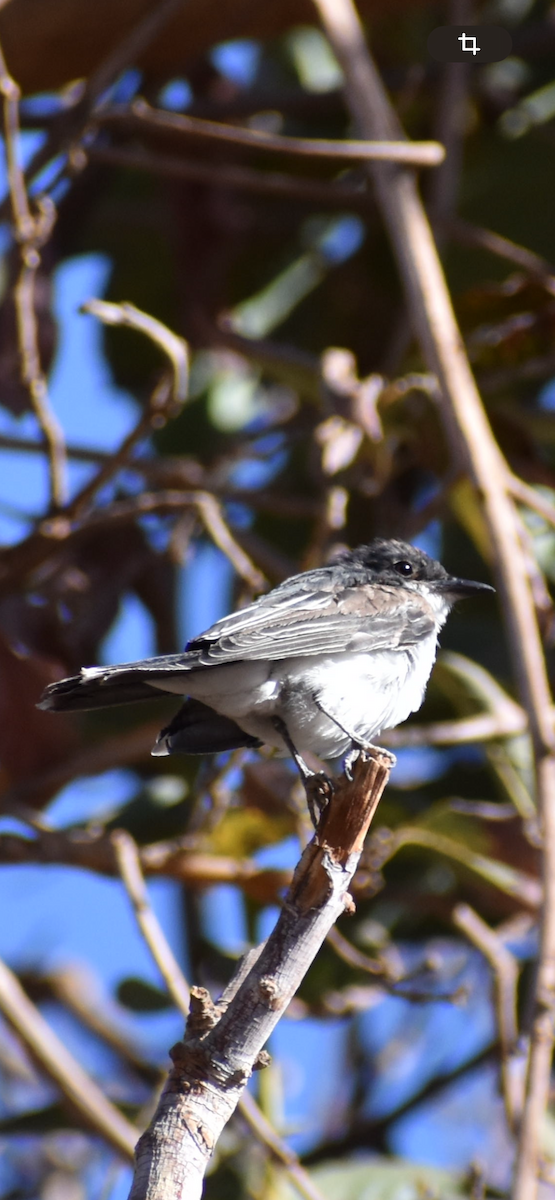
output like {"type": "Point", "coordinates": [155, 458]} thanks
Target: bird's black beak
{"type": "Point", "coordinates": [461, 587]}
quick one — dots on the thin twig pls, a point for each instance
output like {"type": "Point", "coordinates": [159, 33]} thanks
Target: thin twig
{"type": "Point", "coordinates": [540, 366]}
{"type": "Point", "coordinates": [181, 471]}
{"type": "Point", "coordinates": [473, 445]}
{"type": "Point", "coordinates": [127, 858]}
{"type": "Point", "coordinates": [468, 234]}
{"type": "Point", "coordinates": [79, 453]}
{"type": "Point", "coordinates": [505, 976]}
{"type": "Point", "coordinates": [287, 1158]}
{"type": "Point", "coordinates": [165, 402]}
{"type": "Point", "coordinates": [212, 517]}
{"type": "Point", "coordinates": [19, 561]}
{"type": "Point", "coordinates": [508, 879]}
{"type": "Point", "coordinates": [173, 346]}
{"type": "Point", "coordinates": [173, 859]}
{"type": "Point", "coordinates": [114, 463]}
{"type": "Point", "coordinates": [235, 177]}
{"type": "Point", "coordinates": [68, 126]}
{"type": "Point", "coordinates": [141, 116]}
{"type": "Point", "coordinates": [532, 499]}
{"type": "Point", "coordinates": [31, 233]}
{"type": "Point", "coordinates": [483, 728]}
{"type": "Point", "coordinates": [78, 1087]}
{"type": "Point", "coordinates": [76, 987]}
{"type": "Point", "coordinates": [378, 967]}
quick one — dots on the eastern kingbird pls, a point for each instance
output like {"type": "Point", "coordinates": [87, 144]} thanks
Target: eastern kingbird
{"type": "Point", "coordinates": [323, 663]}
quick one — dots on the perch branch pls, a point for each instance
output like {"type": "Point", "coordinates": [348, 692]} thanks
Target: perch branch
{"type": "Point", "coordinates": [224, 1042]}
{"type": "Point", "coordinates": [127, 856]}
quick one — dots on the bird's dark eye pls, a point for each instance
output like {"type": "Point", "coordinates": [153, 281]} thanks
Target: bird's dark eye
{"type": "Point", "coordinates": [403, 568]}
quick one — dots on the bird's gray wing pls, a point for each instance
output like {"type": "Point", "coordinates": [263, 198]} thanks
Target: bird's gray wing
{"type": "Point", "coordinates": [308, 616]}
{"type": "Point", "coordinates": [364, 619]}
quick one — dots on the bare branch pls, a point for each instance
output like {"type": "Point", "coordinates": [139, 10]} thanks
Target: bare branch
{"type": "Point", "coordinates": [223, 1043]}
{"type": "Point", "coordinates": [127, 857]}
{"type": "Point", "coordinates": [173, 346]}
{"type": "Point", "coordinates": [77, 987]}
{"type": "Point", "coordinates": [165, 402]}
{"type": "Point", "coordinates": [175, 859]}
{"type": "Point", "coordinates": [78, 1087]}
{"type": "Point", "coordinates": [235, 177]}
{"type": "Point", "coordinates": [213, 519]}
{"type": "Point", "coordinates": [31, 233]}
{"type": "Point", "coordinates": [505, 976]}
{"type": "Point", "coordinates": [378, 967]}
{"type": "Point", "coordinates": [532, 499]}
{"type": "Point", "coordinates": [266, 1134]}
{"type": "Point", "coordinates": [468, 234]}
{"type": "Point", "coordinates": [141, 116]}
{"type": "Point", "coordinates": [483, 728]}
{"type": "Point", "coordinates": [69, 125]}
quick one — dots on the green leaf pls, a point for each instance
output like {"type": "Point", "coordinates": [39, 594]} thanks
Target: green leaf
{"type": "Point", "coordinates": [140, 996]}
{"type": "Point", "coordinates": [385, 1179]}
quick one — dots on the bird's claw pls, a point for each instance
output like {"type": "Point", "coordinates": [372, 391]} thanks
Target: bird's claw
{"type": "Point", "coordinates": [369, 751]}
{"type": "Point", "coordinates": [319, 790]}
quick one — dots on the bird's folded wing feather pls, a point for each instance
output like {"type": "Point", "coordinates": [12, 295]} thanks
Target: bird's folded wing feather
{"type": "Point", "coordinates": [361, 619]}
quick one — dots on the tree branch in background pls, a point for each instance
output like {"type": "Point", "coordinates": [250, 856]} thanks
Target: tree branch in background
{"type": "Point", "coordinates": [140, 116]}
{"type": "Point", "coordinates": [235, 177]}
{"type": "Point", "coordinates": [127, 858]}
{"type": "Point", "coordinates": [165, 402]}
{"type": "Point", "coordinates": [474, 447]}
{"type": "Point", "coordinates": [175, 860]}
{"type": "Point", "coordinates": [68, 126]}
{"type": "Point", "coordinates": [505, 977]}
{"type": "Point", "coordinates": [212, 517]}
{"type": "Point", "coordinates": [82, 1092]}
{"type": "Point", "coordinates": [31, 233]}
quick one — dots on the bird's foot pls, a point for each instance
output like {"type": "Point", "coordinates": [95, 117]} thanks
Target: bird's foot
{"type": "Point", "coordinates": [370, 751]}
{"type": "Point", "coordinates": [319, 790]}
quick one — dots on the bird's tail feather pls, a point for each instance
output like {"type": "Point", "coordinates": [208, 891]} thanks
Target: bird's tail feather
{"type": "Point", "coordinates": [97, 687]}
{"type": "Point", "coordinates": [197, 729]}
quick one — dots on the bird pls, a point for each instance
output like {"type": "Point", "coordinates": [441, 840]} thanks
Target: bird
{"type": "Point", "coordinates": [321, 665]}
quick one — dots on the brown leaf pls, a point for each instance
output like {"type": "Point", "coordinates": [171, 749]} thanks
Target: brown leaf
{"type": "Point", "coordinates": [31, 742]}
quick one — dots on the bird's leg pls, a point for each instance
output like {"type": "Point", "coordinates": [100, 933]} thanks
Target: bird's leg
{"type": "Point", "coordinates": [357, 745]}
{"type": "Point", "coordinates": [318, 786]}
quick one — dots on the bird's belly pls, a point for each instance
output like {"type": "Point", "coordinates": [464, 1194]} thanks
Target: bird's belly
{"type": "Point", "coordinates": [324, 701]}
{"type": "Point", "coordinates": [327, 703]}
{"type": "Point", "coordinates": [236, 689]}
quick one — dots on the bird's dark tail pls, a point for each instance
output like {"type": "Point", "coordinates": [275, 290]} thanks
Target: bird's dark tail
{"type": "Point", "coordinates": [197, 729]}
{"type": "Point", "coordinates": [97, 687]}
